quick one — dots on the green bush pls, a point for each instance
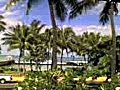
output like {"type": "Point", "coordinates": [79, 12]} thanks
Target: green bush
{"type": "Point", "coordinates": [115, 83]}
{"type": "Point", "coordinates": [47, 80]}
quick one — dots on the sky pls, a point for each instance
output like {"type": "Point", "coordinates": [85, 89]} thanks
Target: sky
{"type": "Point", "coordinates": [89, 21]}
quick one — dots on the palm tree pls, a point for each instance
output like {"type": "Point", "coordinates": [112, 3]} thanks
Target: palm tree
{"type": "Point", "coordinates": [82, 47]}
{"type": "Point", "coordinates": [57, 6]}
{"type": "Point", "coordinates": [87, 43]}
{"type": "Point", "coordinates": [118, 53]}
{"type": "Point", "coordinates": [16, 39]}
{"type": "Point", "coordinates": [106, 14]}
{"type": "Point", "coordinates": [61, 43]}
{"type": "Point", "coordinates": [47, 38]}
{"type": "Point", "coordinates": [64, 40]}
{"type": "Point", "coordinates": [34, 39]}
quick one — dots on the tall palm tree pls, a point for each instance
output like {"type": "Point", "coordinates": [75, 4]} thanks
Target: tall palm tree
{"type": "Point", "coordinates": [16, 39]}
{"type": "Point", "coordinates": [107, 13]}
{"type": "Point", "coordinates": [118, 53]}
{"type": "Point", "coordinates": [69, 34]}
{"type": "Point", "coordinates": [47, 37]}
{"type": "Point", "coordinates": [57, 6]}
{"type": "Point", "coordinates": [61, 43]}
{"type": "Point", "coordinates": [34, 38]}
{"type": "Point", "coordinates": [87, 44]}
{"type": "Point", "coordinates": [64, 37]}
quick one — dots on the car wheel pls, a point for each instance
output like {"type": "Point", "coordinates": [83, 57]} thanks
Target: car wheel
{"type": "Point", "coordinates": [2, 81]}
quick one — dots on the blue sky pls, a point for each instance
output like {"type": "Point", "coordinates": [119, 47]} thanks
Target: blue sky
{"type": "Point", "coordinates": [86, 22]}
{"type": "Point", "coordinates": [41, 12]}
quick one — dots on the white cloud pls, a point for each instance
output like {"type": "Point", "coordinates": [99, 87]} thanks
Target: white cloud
{"type": "Point", "coordinates": [80, 29]}
{"type": "Point", "coordinates": [97, 9]}
{"type": "Point", "coordinates": [12, 16]}
{"type": "Point", "coordinates": [10, 13]}
{"type": "Point", "coordinates": [104, 30]}
{"type": "Point", "coordinates": [2, 8]}
{"type": "Point", "coordinates": [11, 22]}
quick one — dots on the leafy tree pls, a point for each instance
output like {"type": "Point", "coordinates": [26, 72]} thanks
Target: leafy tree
{"type": "Point", "coordinates": [64, 40]}
{"type": "Point", "coordinates": [69, 35]}
{"type": "Point", "coordinates": [17, 39]}
{"type": "Point", "coordinates": [57, 8]}
{"type": "Point", "coordinates": [118, 53]}
{"type": "Point", "coordinates": [35, 41]}
{"type": "Point", "coordinates": [47, 38]}
{"type": "Point", "coordinates": [87, 43]}
{"type": "Point", "coordinates": [107, 14]}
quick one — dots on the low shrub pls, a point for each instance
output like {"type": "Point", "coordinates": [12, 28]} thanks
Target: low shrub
{"type": "Point", "coordinates": [52, 80]}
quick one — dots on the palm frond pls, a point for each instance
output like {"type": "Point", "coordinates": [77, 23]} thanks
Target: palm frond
{"type": "Point", "coordinates": [12, 3]}
{"type": "Point", "coordinates": [71, 3]}
{"type": "Point", "coordinates": [81, 7]}
{"type": "Point", "coordinates": [61, 10]}
{"type": "Point", "coordinates": [40, 28]}
{"type": "Point", "coordinates": [104, 15]}
{"type": "Point", "coordinates": [2, 28]}
{"type": "Point", "coordinates": [2, 23]}
{"type": "Point", "coordinates": [31, 3]}
{"type": "Point", "coordinates": [1, 17]}
{"type": "Point", "coordinates": [13, 46]}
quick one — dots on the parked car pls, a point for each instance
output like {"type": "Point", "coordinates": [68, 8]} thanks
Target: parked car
{"type": "Point", "coordinates": [5, 77]}
{"type": "Point", "coordinates": [18, 78]}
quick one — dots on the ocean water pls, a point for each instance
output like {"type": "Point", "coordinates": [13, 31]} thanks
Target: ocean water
{"type": "Point", "coordinates": [14, 57]}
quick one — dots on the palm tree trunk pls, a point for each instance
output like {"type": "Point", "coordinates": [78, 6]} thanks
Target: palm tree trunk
{"type": "Point", "coordinates": [40, 66]}
{"type": "Point", "coordinates": [47, 65]}
{"type": "Point", "coordinates": [24, 64]}
{"type": "Point", "coordinates": [67, 54]}
{"type": "Point", "coordinates": [54, 52]}
{"type": "Point", "coordinates": [19, 59]}
{"type": "Point", "coordinates": [72, 56]}
{"type": "Point", "coordinates": [48, 53]}
{"type": "Point", "coordinates": [113, 60]}
{"type": "Point", "coordinates": [61, 58]}
{"type": "Point", "coordinates": [31, 65]}
{"type": "Point", "coordinates": [48, 58]}
{"type": "Point", "coordinates": [84, 58]}
{"type": "Point", "coordinates": [37, 65]}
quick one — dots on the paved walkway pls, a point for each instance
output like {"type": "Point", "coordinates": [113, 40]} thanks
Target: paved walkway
{"type": "Point", "coordinates": [7, 86]}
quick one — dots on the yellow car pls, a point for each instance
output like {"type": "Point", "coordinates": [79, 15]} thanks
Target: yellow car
{"type": "Point", "coordinates": [18, 78]}
{"type": "Point", "coordinates": [97, 80]}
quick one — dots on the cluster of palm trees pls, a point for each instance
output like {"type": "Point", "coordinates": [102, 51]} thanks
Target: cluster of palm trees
{"type": "Point", "coordinates": [77, 7]}
{"type": "Point", "coordinates": [39, 45]}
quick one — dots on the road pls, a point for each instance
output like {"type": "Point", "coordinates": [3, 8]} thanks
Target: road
{"type": "Point", "coordinates": [7, 86]}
